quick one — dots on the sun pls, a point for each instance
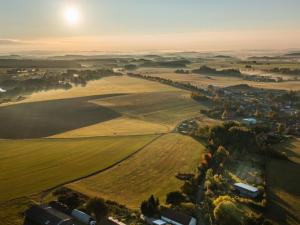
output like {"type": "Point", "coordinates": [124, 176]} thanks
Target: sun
{"type": "Point", "coordinates": [72, 15]}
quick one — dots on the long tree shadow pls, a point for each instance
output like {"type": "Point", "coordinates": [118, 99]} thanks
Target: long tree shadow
{"type": "Point", "coordinates": [46, 118]}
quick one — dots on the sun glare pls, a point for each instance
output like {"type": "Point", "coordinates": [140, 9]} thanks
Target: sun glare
{"type": "Point", "coordinates": [72, 15]}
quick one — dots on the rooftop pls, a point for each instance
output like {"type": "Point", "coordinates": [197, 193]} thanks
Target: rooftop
{"type": "Point", "coordinates": [246, 186]}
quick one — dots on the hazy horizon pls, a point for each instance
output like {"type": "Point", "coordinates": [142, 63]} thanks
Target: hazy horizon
{"type": "Point", "coordinates": [141, 25]}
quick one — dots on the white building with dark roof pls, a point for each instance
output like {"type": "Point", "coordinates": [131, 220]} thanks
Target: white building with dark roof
{"type": "Point", "coordinates": [246, 190]}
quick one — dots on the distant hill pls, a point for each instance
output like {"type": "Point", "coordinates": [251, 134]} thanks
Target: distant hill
{"type": "Point", "coordinates": [169, 64]}
{"type": "Point", "coordinates": [211, 71]}
{"type": "Point", "coordinates": [28, 63]}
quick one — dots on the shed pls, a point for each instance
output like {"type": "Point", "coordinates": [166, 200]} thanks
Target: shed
{"type": "Point", "coordinates": [246, 190]}
{"type": "Point", "coordinates": [177, 218]}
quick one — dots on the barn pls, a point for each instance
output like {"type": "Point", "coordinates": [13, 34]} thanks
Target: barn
{"type": "Point", "coordinates": [46, 215]}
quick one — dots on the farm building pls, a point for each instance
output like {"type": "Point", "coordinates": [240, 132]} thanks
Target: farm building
{"type": "Point", "coordinates": [46, 215]}
{"type": "Point", "coordinates": [57, 214]}
{"type": "Point", "coordinates": [177, 218]}
{"type": "Point", "coordinates": [246, 190]}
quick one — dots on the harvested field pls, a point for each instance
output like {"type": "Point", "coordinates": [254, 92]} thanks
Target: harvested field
{"type": "Point", "coordinates": [159, 107]}
{"type": "Point", "coordinates": [31, 166]}
{"type": "Point", "coordinates": [151, 171]}
{"type": "Point", "coordinates": [107, 85]}
{"type": "Point", "coordinates": [117, 127]}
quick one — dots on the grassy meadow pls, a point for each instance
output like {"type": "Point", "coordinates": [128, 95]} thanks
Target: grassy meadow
{"type": "Point", "coordinates": [283, 185]}
{"type": "Point", "coordinates": [151, 171]}
{"type": "Point", "coordinates": [30, 166]}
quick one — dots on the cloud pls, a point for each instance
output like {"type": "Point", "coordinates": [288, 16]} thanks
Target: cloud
{"type": "Point", "coordinates": [11, 42]}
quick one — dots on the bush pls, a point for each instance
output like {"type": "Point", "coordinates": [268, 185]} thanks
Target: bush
{"type": "Point", "coordinates": [175, 198]}
{"type": "Point", "coordinates": [98, 207]}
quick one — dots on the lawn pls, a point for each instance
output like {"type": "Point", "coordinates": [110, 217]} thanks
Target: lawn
{"type": "Point", "coordinates": [31, 166]}
{"type": "Point", "coordinates": [150, 171]}
{"type": "Point", "coordinates": [284, 186]}
{"type": "Point", "coordinates": [284, 192]}
{"type": "Point", "coordinates": [291, 148]}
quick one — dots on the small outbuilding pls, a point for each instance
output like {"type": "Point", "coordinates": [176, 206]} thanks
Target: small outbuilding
{"type": "Point", "coordinates": [246, 190]}
{"type": "Point", "coordinates": [177, 218]}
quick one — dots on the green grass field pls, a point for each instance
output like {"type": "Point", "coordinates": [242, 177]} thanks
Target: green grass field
{"type": "Point", "coordinates": [151, 171]}
{"type": "Point", "coordinates": [284, 186]}
{"type": "Point", "coordinates": [30, 166]}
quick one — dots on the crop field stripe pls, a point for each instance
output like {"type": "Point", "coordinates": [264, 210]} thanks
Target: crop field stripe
{"type": "Point", "coordinates": [40, 161]}
{"type": "Point", "coordinates": [107, 168]}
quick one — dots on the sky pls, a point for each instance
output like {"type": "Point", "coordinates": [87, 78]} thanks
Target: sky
{"type": "Point", "coordinates": [148, 25]}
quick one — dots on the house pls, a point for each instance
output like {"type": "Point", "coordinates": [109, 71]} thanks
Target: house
{"type": "Point", "coordinates": [246, 190]}
{"type": "Point", "coordinates": [46, 215]}
{"type": "Point", "coordinates": [177, 218]}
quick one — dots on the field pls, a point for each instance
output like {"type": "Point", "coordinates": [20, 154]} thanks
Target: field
{"type": "Point", "coordinates": [151, 171]}
{"type": "Point", "coordinates": [284, 187]}
{"type": "Point", "coordinates": [116, 127]}
{"type": "Point", "coordinates": [160, 107]}
{"type": "Point", "coordinates": [30, 166]}
{"type": "Point", "coordinates": [46, 118]}
{"type": "Point", "coordinates": [108, 85]}
{"type": "Point", "coordinates": [147, 108]}
{"type": "Point", "coordinates": [11, 212]}
{"type": "Point", "coordinates": [219, 81]}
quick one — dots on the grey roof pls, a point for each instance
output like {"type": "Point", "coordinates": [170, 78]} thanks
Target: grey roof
{"type": "Point", "coordinates": [176, 216]}
{"type": "Point", "coordinates": [246, 187]}
{"type": "Point", "coordinates": [45, 215]}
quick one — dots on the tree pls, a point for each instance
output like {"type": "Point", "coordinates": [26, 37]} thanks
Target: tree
{"type": "Point", "coordinates": [280, 128]}
{"type": "Point", "coordinates": [150, 207]}
{"type": "Point", "coordinates": [72, 200]}
{"type": "Point", "coordinates": [98, 207]}
{"type": "Point", "coordinates": [228, 213]}
{"type": "Point", "coordinates": [175, 198]}
{"type": "Point", "coordinates": [221, 154]}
